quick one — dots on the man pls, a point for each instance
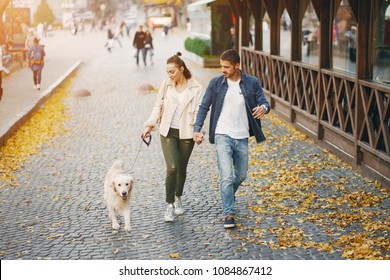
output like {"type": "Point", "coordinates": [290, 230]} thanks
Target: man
{"type": "Point", "coordinates": [237, 103]}
{"type": "Point", "coordinates": [139, 44]}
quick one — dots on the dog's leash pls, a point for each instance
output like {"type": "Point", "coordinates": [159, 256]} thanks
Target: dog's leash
{"type": "Point", "coordinates": [147, 142]}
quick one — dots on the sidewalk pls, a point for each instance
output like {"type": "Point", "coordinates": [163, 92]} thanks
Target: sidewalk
{"type": "Point", "coordinates": [64, 54]}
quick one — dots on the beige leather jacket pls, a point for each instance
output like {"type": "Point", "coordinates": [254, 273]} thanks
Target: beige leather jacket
{"type": "Point", "coordinates": [166, 104]}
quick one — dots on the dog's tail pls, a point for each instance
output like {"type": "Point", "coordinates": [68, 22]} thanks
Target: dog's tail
{"type": "Point", "coordinates": [118, 164]}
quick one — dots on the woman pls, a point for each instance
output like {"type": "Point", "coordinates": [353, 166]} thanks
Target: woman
{"type": "Point", "coordinates": [148, 45]}
{"type": "Point", "coordinates": [35, 55]}
{"type": "Point", "coordinates": [175, 110]}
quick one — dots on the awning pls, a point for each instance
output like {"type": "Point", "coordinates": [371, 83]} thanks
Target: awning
{"type": "Point", "coordinates": [198, 4]}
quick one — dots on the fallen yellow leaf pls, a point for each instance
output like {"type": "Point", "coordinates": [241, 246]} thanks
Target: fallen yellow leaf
{"type": "Point", "coordinates": [175, 256]}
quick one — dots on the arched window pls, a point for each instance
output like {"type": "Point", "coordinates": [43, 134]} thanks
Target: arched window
{"type": "Point", "coordinates": [344, 35]}
{"type": "Point", "coordinates": [266, 33]}
{"type": "Point", "coordinates": [381, 69]}
{"type": "Point", "coordinates": [310, 36]}
{"type": "Point", "coordinates": [285, 35]}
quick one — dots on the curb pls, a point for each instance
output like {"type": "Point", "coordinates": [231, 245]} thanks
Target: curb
{"type": "Point", "coordinates": [29, 110]}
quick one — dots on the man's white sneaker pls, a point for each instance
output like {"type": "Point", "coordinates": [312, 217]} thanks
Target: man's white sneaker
{"type": "Point", "coordinates": [34, 86]}
{"type": "Point", "coordinates": [168, 215]}
{"type": "Point", "coordinates": [38, 86]}
{"type": "Point", "coordinates": [178, 207]}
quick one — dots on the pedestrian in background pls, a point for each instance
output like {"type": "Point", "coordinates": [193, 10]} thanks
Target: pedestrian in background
{"type": "Point", "coordinates": [149, 45]}
{"type": "Point", "coordinates": [40, 30]}
{"type": "Point", "coordinates": [1, 72]}
{"type": "Point", "coordinates": [45, 29]}
{"type": "Point", "coordinates": [36, 55]}
{"type": "Point", "coordinates": [93, 25]}
{"type": "Point", "coordinates": [233, 38]}
{"type": "Point", "coordinates": [110, 39]}
{"type": "Point", "coordinates": [117, 33]}
{"type": "Point", "coordinates": [139, 44]}
{"type": "Point", "coordinates": [6, 57]}
{"type": "Point", "coordinates": [166, 29]}
{"type": "Point", "coordinates": [237, 103]}
{"type": "Point", "coordinates": [174, 111]}
{"type": "Point", "coordinates": [75, 27]}
{"type": "Point", "coordinates": [351, 39]}
{"type": "Point", "coordinates": [29, 42]}
{"type": "Point", "coordinates": [122, 27]}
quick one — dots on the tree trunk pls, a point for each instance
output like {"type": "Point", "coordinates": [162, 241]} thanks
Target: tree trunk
{"type": "Point", "coordinates": [3, 7]}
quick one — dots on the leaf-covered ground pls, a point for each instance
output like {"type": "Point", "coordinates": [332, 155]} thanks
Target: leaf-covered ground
{"type": "Point", "coordinates": [46, 123]}
{"type": "Point", "coordinates": [317, 200]}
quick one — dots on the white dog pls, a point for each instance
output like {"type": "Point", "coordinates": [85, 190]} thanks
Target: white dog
{"type": "Point", "coordinates": [117, 191]}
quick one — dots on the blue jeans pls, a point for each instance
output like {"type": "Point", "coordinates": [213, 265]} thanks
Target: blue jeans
{"type": "Point", "coordinates": [232, 156]}
{"type": "Point", "coordinates": [142, 51]}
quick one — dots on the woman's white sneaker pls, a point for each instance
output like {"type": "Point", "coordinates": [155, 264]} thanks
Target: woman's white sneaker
{"type": "Point", "coordinates": [169, 215]}
{"type": "Point", "coordinates": [178, 207]}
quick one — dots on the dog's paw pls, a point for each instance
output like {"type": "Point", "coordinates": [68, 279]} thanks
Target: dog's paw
{"type": "Point", "coordinates": [115, 226]}
{"type": "Point", "coordinates": [128, 229]}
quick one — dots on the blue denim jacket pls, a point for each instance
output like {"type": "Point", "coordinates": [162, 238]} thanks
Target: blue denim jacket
{"type": "Point", "coordinates": [215, 95]}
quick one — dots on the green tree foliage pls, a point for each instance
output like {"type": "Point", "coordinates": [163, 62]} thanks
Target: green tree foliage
{"type": "Point", "coordinates": [110, 7]}
{"type": "Point", "coordinates": [44, 13]}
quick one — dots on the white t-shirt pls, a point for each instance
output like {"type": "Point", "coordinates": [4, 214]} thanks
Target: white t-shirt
{"type": "Point", "coordinates": [233, 120]}
{"type": "Point", "coordinates": [175, 123]}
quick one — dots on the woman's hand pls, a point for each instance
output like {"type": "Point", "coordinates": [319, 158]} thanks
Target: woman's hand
{"type": "Point", "coordinates": [146, 132]}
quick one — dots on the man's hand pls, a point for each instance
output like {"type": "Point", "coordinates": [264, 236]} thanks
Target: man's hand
{"type": "Point", "coordinates": [198, 137]}
{"type": "Point", "coordinates": [259, 111]}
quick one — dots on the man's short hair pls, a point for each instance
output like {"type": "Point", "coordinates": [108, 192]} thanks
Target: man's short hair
{"type": "Point", "coordinates": [231, 55]}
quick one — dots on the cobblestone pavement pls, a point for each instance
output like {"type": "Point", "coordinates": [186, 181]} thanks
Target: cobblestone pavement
{"type": "Point", "coordinates": [65, 217]}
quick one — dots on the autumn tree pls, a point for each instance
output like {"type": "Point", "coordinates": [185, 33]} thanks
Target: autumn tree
{"type": "Point", "coordinates": [3, 7]}
{"type": "Point", "coordinates": [44, 13]}
{"type": "Point", "coordinates": [110, 7]}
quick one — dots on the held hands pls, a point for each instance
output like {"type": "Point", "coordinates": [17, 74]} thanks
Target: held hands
{"type": "Point", "coordinates": [259, 112]}
{"type": "Point", "coordinates": [198, 137]}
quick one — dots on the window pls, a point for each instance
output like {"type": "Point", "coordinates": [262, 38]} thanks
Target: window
{"type": "Point", "coordinates": [266, 33]}
{"type": "Point", "coordinates": [381, 69]}
{"type": "Point", "coordinates": [310, 36]}
{"type": "Point", "coordinates": [344, 32]}
{"type": "Point", "coordinates": [285, 35]}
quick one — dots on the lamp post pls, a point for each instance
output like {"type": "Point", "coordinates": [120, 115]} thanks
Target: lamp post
{"type": "Point", "coordinates": [102, 8]}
